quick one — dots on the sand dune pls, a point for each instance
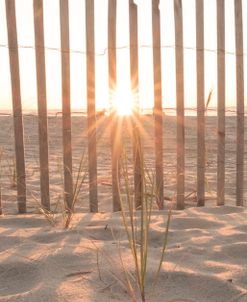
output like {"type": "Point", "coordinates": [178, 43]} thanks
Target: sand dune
{"type": "Point", "coordinates": [206, 258]}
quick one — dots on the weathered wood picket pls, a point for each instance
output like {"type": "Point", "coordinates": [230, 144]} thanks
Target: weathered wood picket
{"type": "Point", "coordinates": [42, 104]}
{"type": "Point", "coordinates": [67, 148]}
{"type": "Point", "coordinates": [17, 106]}
{"type": "Point", "coordinates": [200, 103]}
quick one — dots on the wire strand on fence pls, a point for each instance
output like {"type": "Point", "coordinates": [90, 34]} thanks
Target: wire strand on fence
{"type": "Point", "coordinates": [105, 50]}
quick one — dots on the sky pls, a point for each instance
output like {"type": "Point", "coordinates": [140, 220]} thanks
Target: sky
{"type": "Point", "coordinates": [24, 12]}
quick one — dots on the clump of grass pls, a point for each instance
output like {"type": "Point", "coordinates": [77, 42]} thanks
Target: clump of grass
{"type": "Point", "coordinates": [138, 231]}
{"type": "Point", "coordinates": [48, 214]}
{"type": "Point", "coordinates": [61, 208]}
{"type": "Point", "coordinates": [11, 172]}
{"type": "Point", "coordinates": [80, 179]}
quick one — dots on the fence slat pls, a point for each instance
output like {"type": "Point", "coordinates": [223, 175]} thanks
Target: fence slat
{"type": "Point", "coordinates": [115, 127]}
{"type": "Point", "coordinates": [240, 102]}
{"type": "Point", "coordinates": [42, 105]}
{"type": "Point", "coordinates": [1, 209]}
{"type": "Point", "coordinates": [178, 14]}
{"type": "Point", "coordinates": [158, 114]}
{"type": "Point", "coordinates": [17, 106]}
{"type": "Point", "coordinates": [65, 64]}
{"type": "Point", "coordinates": [137, 154]}
{"type": "Point", "coordinates": [200, 103]}
{"type": "Point", "coordinates": [221, 101]}
{"type": "Point", "coordinates": [91, 111]}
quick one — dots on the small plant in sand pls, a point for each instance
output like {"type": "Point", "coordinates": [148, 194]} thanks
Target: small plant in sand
{"type": "Point", "coordinates": [81, 176]}
{"type": "Point", "coordinates": [60, 207]}
{"type": "Point", "coordinates": [12, 172]}
{"type": "Point", "coordinates": [137, 228]}
{"type": "Point", "coordinates": [14, 177]}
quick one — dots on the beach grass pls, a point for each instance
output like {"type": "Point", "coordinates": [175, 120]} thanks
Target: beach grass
{"type": "Point", "coordinates": [136, 222]}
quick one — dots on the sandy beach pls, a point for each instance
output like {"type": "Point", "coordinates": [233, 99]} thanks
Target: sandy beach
{"type": "Point", "coordinates": [207, 247]}
{"type": "Point", "coordinates": [205, 258]}
{"type": "Point", "coordinates": [79, 145]}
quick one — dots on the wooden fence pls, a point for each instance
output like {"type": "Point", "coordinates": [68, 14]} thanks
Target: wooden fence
{"type": "Point", "coordinates": [158, 114]}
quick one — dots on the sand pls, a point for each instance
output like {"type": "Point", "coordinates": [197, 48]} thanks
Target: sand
{"type": "Point", "coordinates": [79, 145]}
{"type": "Point", "coordinates": [206, 257]}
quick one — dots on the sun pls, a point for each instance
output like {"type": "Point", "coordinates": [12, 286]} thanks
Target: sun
{"type": "Point", "coordinates": [123, 102]}
{"type": "Point", "coordinates": [123, 109]}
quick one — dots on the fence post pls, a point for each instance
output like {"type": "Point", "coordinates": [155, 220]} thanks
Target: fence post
{"type": "Point", "coordinates": [137, 154]}
{"type": "Point", "coordinates": [17, 106]}
{"type": "Point", "coordinates": [91, 111]}
{"type": "Point", "coordinates": [114, 120]}
{"type": "Point", "coordinates": [158, 113]}
{"type": "Point", "coordinates": [200, 103]}
{"type": "Point", "coordinates": [178, 14]}
{"type": "Point", "coordinates": [42, 105]}
{"type": "Point", "coordinates": [240, 101]}
{"type": "Point", "coordinates": [65, 64]}
{"type": "Point", "coordinates": [221, 101]}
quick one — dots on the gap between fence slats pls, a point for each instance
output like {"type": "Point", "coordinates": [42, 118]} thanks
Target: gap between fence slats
{"type": "Point", "coordinates": [114, 120]}
{"type": "Point", "coordinates": [91, 110]}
